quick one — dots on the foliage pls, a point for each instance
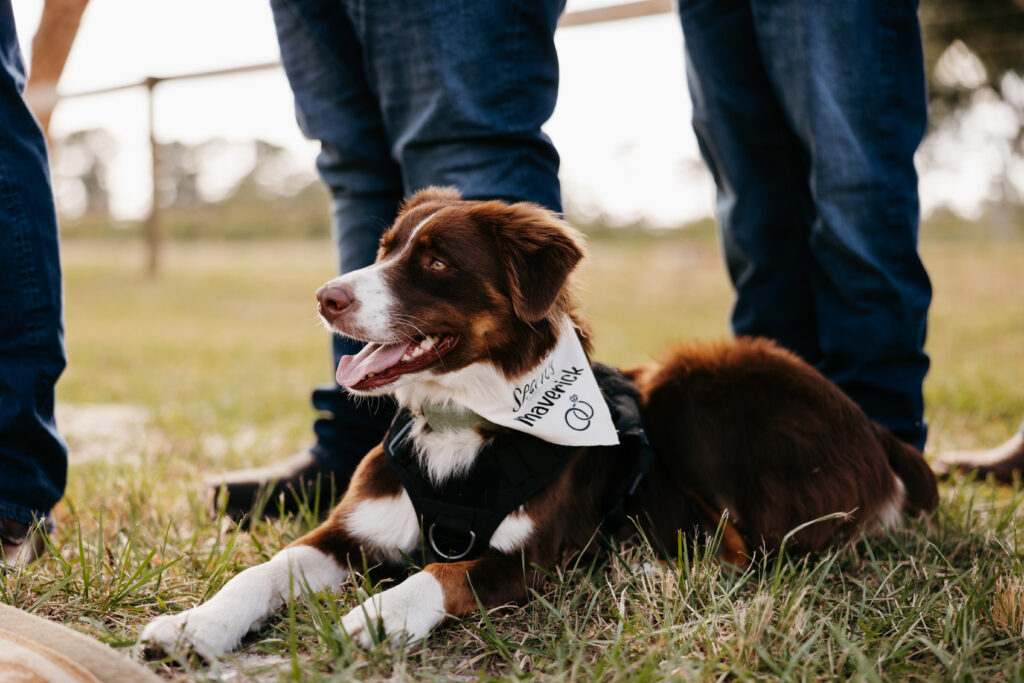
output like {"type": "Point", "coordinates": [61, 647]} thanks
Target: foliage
{"type": "Point", "coordinates": [81, 167]}
{"type": "Point", "coordinates": [975, 60]}
{"type": "Point", "coordinates": [992, 30]}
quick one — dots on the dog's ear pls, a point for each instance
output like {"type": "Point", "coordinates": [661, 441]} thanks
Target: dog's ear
{"type": "Point", "coordinates": [538, 250]}
{"type": "Point", "coordinates": [431, 194]}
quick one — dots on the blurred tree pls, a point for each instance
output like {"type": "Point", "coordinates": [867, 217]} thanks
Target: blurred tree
{"type": "Point", "coordinates": [179, 174]}
{"type": "Point", "coordinates": [974, 52]}
{"type": "Point", "coordinates": [82, 158]}
{"type": "Point", "coordinates": [273, 173]}
{"type": "Point", "coordinates": [979, 41]}
{"type": "Point", "coordinates": [51, 46]}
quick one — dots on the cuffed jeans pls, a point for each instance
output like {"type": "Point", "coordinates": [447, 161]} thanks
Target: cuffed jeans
{"type": "Point", "coordinates": [33, 458]}
{"type": "Point", "coordinates": [403, 95]}
{"type": "Point", "coordinates": [808, 114]}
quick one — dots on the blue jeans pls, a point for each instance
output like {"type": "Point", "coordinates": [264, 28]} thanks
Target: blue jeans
{"type": "Point", "coordinates": [808, 115]}
{"type": "Point", "coordinates": [33, 458]}
{"type": "Point", "coordinates": [403, 95]}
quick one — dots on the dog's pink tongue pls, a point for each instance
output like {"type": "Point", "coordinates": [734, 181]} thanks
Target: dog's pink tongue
{"type": "Point", "coordinates": [374, 357]}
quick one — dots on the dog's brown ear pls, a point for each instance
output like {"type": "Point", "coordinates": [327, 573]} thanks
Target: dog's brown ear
{"type": "Point", "coordinates": [539, 251]}
{"type": "Point", "coordinates": [431, 194]}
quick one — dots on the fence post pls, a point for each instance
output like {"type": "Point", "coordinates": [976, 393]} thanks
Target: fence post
{"type": "Point", "coordinates": [153, 219]}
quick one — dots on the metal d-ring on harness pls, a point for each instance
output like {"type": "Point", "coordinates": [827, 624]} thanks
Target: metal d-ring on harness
{"type": "Point", "coordinates": [453, 557]}
{"type": "Point", "coordinates": [460, 516]}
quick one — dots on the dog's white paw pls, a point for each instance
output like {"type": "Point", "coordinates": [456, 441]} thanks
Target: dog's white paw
{"type": "Point", "coordinates": [407, 612]}
{"type": "Point", "coordinates": [194, 629]}
{"type": "Point", "coordinates": [217, 626]}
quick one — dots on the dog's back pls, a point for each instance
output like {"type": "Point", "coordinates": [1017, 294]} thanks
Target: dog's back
{"type": "Point", "coordinates": [752, 429]}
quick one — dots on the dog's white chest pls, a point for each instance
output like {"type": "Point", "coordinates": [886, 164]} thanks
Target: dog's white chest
{"type": "Point", "coordinates": [391, 524]}
{"type": "Point", "coordinates": [388, 523]}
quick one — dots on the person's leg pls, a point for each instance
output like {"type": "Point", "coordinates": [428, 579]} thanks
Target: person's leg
{"type": "Point", "coordinates": [764, 207]}
{"type": "Point", "coordinates": [405, 95]}
{"type": "Point", "coordinates": [33, 458]}
{"type": "Point", "coordinates": [334, 105]}
{"type": "Point", "coordinates": [464, 89]}
{"type": "Point", "coordinates": [400, 95]}
{"type": "Point", "coordinates": [850, 77]}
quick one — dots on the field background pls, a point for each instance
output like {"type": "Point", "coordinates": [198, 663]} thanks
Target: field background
{"type": "Point", "coordinates": [209, 367]}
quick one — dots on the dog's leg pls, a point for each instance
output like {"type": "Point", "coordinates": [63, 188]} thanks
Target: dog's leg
{"type": "Point", "coordinates": [410, 610]}
{"type": "Point", "coordinates": [217, 626]}
{"type": "Point", "coordinates": [319, 559]}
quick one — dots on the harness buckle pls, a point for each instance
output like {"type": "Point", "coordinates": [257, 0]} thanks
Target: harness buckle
{"type": "Point", "coordinates": [390, 440]}
{"type": "Point", "coordinates": [446, 556]}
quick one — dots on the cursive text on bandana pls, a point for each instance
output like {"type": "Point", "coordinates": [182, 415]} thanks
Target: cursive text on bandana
{"type": "Point", "coordinates": [557, 401]}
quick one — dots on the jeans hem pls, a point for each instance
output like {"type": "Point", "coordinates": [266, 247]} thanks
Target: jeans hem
{"type": "Point", "coordinates": [25, 515]}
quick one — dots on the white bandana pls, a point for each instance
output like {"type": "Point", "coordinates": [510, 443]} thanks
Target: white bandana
{"type": "Point", "coordinates": [557, 401]}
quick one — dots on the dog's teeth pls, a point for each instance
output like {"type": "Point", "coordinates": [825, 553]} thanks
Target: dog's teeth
{"type": "Point", "coordinates": [406, 357]}
{"type": "Point", "coordinates": [372, 374]}
{"type": "Point", "coordinates": [427, 343]}
{"type": "Point", "coordinates": [417, 352]}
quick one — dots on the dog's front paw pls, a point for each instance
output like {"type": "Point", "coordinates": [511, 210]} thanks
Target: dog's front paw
{"type": "Point", "coordinates": [405, 613]}
{"type": "Point", "coordinates": [192, 629]}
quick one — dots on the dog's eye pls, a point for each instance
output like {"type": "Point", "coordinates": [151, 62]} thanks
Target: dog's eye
{"type": "Point", "coordinates": [438, 264]}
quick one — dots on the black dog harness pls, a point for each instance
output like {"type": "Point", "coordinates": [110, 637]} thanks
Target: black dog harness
{"type": "Point", "coordinates": [460, 516]}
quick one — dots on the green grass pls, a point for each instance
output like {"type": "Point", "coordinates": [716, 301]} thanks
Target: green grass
{"type": "Point", "coordinates": [218, 356]}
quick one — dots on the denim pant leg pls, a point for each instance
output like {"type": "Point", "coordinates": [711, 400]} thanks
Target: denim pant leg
{"type": "Point", "coordinates": [849, 79]}
{"type": "Point", "coordinates": [464, 89]}
{"type": "Point", "coordinates": [33, 458]}
{"type": "Point", "coordinates": [850, 75]}
{"type": "Point", "coordinates": [403, 95]}
{"type": "Point", "coordinates": [335, 105]}
{"type": "Point", "coordinates": [763, 204]}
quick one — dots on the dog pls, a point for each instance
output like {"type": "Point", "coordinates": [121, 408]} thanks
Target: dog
{"type": "Point", "coordinates": [466, 306]}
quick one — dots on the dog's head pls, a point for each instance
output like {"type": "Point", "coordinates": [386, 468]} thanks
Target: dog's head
{"type": "Point", "coordinates": [456, 283]}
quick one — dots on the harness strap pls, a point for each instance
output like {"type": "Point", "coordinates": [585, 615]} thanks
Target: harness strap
{"type": "Point", "coordinates": [460, 515]}
{"type": "Point", "coordinates": [623, 401]}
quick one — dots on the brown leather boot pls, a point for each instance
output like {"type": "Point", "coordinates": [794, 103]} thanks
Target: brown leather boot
{"type": "Point", "coordinates": [21, 544]}
{"type": "Point", "coordinates": [1001, 462]}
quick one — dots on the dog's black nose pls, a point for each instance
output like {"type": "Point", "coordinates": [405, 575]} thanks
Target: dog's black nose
{"type": "Point", "coordinates": [334, 299]}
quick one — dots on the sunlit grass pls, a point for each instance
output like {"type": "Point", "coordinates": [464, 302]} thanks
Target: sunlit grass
{"type": "Point", "coordinates": [222, 349]}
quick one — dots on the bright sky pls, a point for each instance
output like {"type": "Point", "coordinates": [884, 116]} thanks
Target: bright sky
{"type": "Point", "coordinates": [621, 125]}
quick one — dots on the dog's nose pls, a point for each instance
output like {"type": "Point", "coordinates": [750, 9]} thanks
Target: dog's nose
{"type": "Point", "coordinates": [334, 299]}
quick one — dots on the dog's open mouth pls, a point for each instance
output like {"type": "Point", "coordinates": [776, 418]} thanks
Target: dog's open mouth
{"type": "Point", "coordinates": [381, 363]}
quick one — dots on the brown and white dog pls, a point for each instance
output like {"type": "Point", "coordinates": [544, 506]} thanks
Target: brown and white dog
{"type": "Point", "coordinates": [467, 295]}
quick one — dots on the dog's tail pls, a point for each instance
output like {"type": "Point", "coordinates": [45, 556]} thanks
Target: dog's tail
{"type": "Point", "coordinates": [910, 466]}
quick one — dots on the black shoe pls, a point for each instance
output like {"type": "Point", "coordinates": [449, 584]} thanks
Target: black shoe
{"type": "Point", "coordinates": [310, 481]}
{"type": "Point", "coordinates": [307, 480]}
{"type": "Point", "coordinates": [21, 544]}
